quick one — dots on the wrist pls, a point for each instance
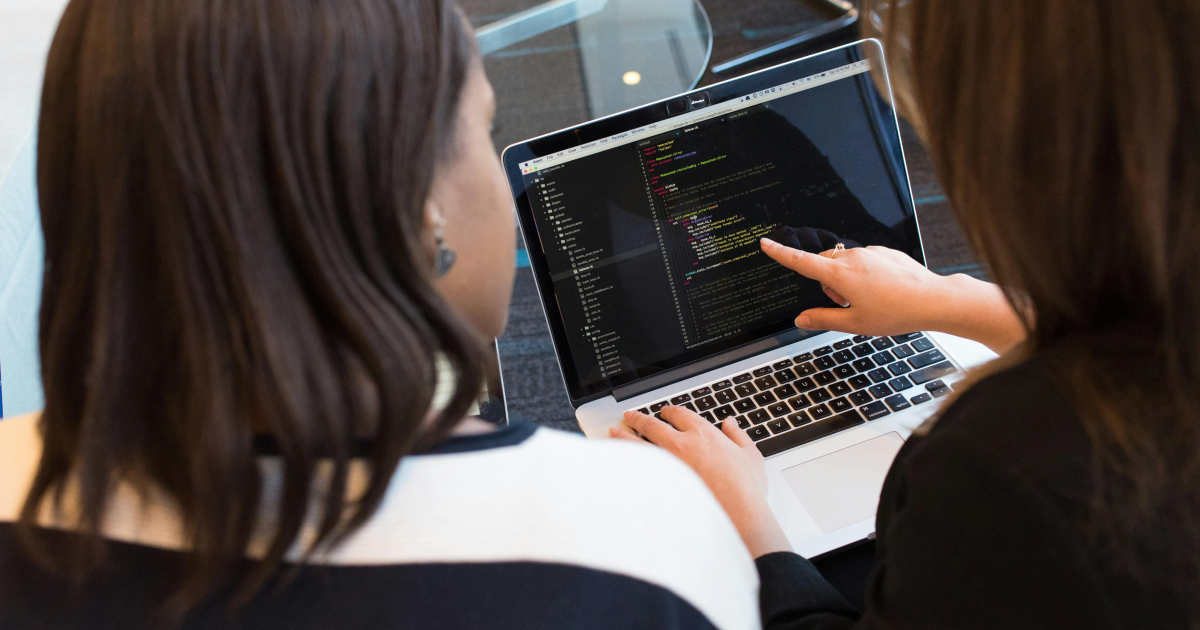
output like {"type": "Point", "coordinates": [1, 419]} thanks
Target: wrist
{"type": "Point", "coordinates": [760, 531]}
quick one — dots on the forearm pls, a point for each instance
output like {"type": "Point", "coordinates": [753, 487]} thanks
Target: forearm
{"type": "Point", "coordinates": [976, 310]}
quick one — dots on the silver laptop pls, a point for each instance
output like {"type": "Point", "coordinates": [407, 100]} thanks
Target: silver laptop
{"type": "Point", "coordinates": [643, 232]}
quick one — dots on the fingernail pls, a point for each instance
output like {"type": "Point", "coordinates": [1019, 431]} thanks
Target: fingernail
{"type": "Point", "coordinates": [628, 414]}
{"type": "Point", "coordinates": [768, 242]}
{"type": "Point", "coordinates": [802, 321]}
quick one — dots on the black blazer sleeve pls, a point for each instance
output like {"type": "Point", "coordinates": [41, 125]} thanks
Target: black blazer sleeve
{"type": "Point", "coordinates": [964, 540]}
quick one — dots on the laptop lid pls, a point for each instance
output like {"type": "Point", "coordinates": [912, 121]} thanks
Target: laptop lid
{"type": "Point", "coordinates": [642, 228]}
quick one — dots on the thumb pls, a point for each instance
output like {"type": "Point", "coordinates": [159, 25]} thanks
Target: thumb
{"type": "Point", "coordinates": [826, 319]}
{"type": "Point", "coordinates": [737, 434]}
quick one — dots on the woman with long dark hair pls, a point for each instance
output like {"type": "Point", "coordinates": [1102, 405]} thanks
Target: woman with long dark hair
{"type": "Point", "coordinates": [278, 239]}
{"type": "Point", "coordinates": [1061, 487]}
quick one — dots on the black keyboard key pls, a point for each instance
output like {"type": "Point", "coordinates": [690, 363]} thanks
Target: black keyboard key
{"type": "Point", "coordinates": [824, 363]}
{"type": "Point", "coordinates": [902, 352]}
{"type": "Point", "coordinates": [705, 403]}
{"type": "Point", "coordinates": [897, 402]}
{"type": "Point", "coordinates": [707, 415]}
{"type": "Point", "coordinates": [906, 337]}
{"type": "Point", "coordinates": [744, 422]}
{"type": "Point", "coordinates": [779, 426]}
{"type": "Point", "coordinates": [820, 352]}
{"type": "Point", "coordinates": [658, 414]}
{"type": "Point", "coordinates": [680, 399]}
{"type": "Point", "coordinates": [900, 384]}
{"type": "Point", "coordinates": [779, 409]}
{"type": "Point", "coordinates": [845, 343]}
{"type": "Point", "coordinates": [879, 375]}
{"type": "Point", "coordinates": [779, 365]}
{"type": "Point", "coordinates": [932, 385]}
{"type": "Point", "coordinates": [726, 396]}
{"type": "Point", "coordinates": [764, 398]}
{"type": "Point", "coordinates": [861, 338]}
{"type": "Point", "coordinates": [785, 392]}
{"type": "Point", "coordinates": [882, 343]}
{"type": "Point", "coordinates": [801, 358]}
{"type": "Point", "coordinates": [703, 391]}
{"type": "Point", "coordinates": [758, 416]}
{"type": "Point", "coordinates": [819, 395]}
{"type": "Point", "coordinates": [874, 410]}
{"type": "Point", "coordinates": [880, 391]}
{"type": "Point", "coordinates": [762, 371]}
{"type": "Point", "coordinates": [862, 350]}
{"type": "Point", "coordinates": [927, 358]}
{"type": "Point", "coordinates": [800, 402]}
{"type": "Point", "coordinates": [824, 378]}
{"type": "Point", "coordinates": [845, 356]}
{"type": "Point", "coordinates": [725, 384]}
{"type": "Point", "coordinates": [840, 405]}
{"type": "Point", "coordinates": [864, 365]}
{"type": "Point", "coordinates": [937, 370]}
{"type": "Point", "coordinates": [804, 384]}
{"type": "Point", "coordinates": [689, 406]}
{"type": "Point", "coordinates": [858, 382]}
{"type": "Point", "coordinates": [899, 368]}
{"type": "Point", "coordinates": [757, 433]}
{"type": "Point", "coordinates": [843, 371]}
{"type": "Point", "coordinates": [804, 369]}
{"type": "Point", "coordinates": [723, 412]}
{"type": "Point", "coordinates": [644, 411]}
{"type": "Point", "coordinates": [860, 398]}
{"type": "Point", "coordinates": [658, 406]}
{"type": "Point", "coordinates": [745, 405]}
{"type": "Point", "coordinates": [745, 389]}
{"type": "Point", "coordinates": [764, 383]}
{"type": "Point", "coordinates": [840, 388]}
{"type": "Point", "coordinates": [921, 398]}
{"type": "Point", "coordinates": [799, 419]}
{"type": "Point", "coordinates": [742, 378]}
{"type": "Point", "coordinates": [883, 358]}
{"type": "Point", "coordinates": [939, 392]}
{"type": "Point", "coordinates": [921, 345]}
{"type": "Point", "coordinates": [784, 375]}
{"type": "Point", "coordinates": [809, 432]}
{"type": "Point", "coordinates": [820, 412]}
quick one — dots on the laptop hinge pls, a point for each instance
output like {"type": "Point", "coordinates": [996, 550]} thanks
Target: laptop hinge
{"type": "Point", "coordinates": [662, 379]}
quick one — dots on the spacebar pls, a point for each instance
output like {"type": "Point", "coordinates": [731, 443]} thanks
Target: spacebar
{"type": "Point", "coordinates": [810, 432]}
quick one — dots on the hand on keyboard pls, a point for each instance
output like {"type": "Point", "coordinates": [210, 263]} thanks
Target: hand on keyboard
{"type": "Point", "coordinates": [726, 459]}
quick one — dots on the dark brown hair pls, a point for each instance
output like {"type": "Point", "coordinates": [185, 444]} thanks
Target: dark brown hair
{"type": "Point", "coordinates": [233, 197]}
{"type": "Point", "coordinates": [1067, 136]}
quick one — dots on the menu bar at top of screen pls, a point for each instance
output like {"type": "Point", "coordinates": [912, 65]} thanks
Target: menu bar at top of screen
{"type": "Point", "coordinates": [785, 89]}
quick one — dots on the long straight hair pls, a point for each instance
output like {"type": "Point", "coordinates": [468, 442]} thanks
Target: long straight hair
{"type": "Point", "coordinates": [232, 194]}
{"type": "Point", "coordinates": [1067, 136]}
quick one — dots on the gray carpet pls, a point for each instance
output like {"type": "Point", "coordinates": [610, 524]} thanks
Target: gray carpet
{"type": "Point", "coordinates": [539, 89]}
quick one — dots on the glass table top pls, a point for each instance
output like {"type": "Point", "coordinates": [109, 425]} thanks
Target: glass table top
{"type": "Point", "coordinates": [560, 63]}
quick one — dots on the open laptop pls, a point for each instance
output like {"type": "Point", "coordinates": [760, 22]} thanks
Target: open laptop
{"type": "Point", "coordinates": [643, 232]}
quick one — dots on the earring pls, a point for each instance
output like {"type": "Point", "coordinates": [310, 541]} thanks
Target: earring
{"type": "Point", "coordinates": [445, 255]}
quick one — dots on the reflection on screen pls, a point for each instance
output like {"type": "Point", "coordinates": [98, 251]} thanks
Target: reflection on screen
{"type": "Point", "coordinates": [652, 246]}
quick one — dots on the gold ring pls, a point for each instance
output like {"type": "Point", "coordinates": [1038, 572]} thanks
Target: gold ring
{"type": "Point", "coordinates": [839, 247]}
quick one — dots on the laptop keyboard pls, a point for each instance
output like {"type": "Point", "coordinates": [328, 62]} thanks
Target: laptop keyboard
{"type": "Point", "coordinates": [850, 382]}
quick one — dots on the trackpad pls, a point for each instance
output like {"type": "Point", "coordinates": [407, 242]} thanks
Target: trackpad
{"type": "Point", "coordinates": [842, 488]}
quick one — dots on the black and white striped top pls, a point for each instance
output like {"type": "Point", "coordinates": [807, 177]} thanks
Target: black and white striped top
{"type": "Point", "coordinates": [520, 528]}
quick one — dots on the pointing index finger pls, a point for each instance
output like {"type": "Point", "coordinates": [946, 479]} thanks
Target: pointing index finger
{"type": "Point", "coordinates": [809, 265]}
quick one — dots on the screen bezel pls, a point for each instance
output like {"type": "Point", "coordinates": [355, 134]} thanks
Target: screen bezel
{"type": "Point", "coordinates": [657, 112]}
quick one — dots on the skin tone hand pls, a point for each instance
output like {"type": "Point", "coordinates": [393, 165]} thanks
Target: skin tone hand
{"type": "Point", "coordinates": [728, 462]}
{"type": "Point", "coordinates": [886, 292]}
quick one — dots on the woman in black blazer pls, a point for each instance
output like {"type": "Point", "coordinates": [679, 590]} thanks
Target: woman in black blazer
{"type": "Point", "coordinates": [1060, 486]}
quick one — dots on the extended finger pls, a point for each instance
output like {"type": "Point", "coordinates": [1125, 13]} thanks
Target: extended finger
{"type": "Point", "coordinates": [736, 433]}
{"type": "Point", "coordinates": [621, 433]}
{"type": "Point", "coordinates": [683, 418]}
{"type": "Point", "coordinates": [834, 295]}
{"type": "Point", "coordinates": [809, 265]}
{"type": "Point", "coordinates": [649, 426]}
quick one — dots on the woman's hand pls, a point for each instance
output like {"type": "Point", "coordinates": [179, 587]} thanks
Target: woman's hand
{"type": "Point", "coordinates": [728, 462]}
{"type": "Point", "coordinates": [886, 292]}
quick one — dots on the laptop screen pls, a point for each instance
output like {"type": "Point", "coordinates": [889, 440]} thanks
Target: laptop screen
{"type": "Point", "coordinates": [650, 236]}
